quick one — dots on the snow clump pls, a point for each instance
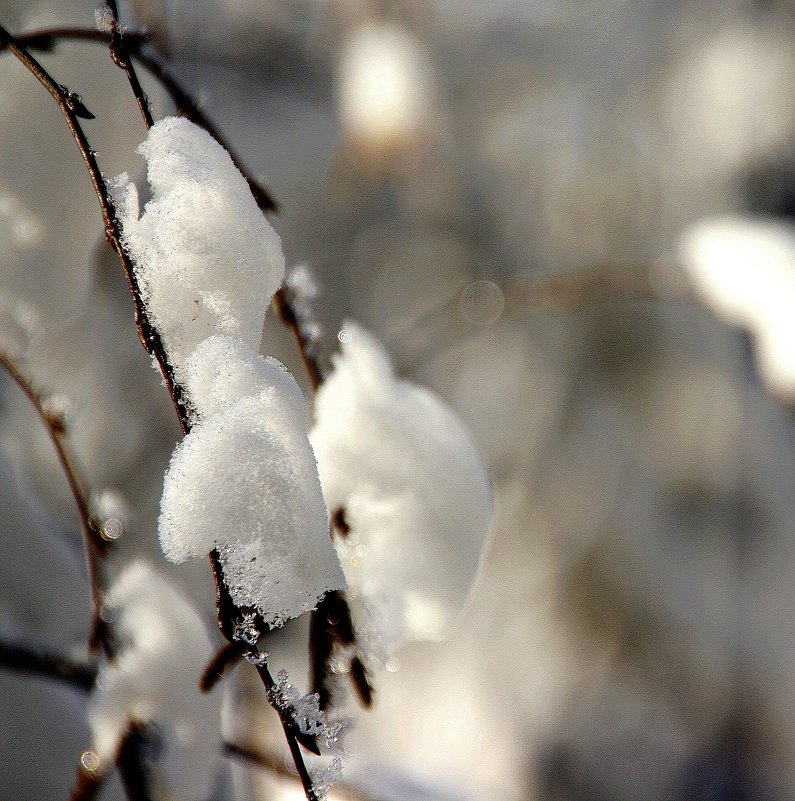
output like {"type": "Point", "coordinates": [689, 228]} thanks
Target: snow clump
{"type": "Point", "coordinates": [245, 481]}
{"type": "Point", "coordinates": [207, 260]}
{"type": "Point", "coordinates": [153, 679]}
{"type": "Point", "coordinates": [414, 490]}
{"type": "Point", "coordinates": [743, 268]}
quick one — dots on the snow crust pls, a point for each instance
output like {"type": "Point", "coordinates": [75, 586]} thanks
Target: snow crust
{"type": "Point", "coordinates": [154, 680]}
{"type": "Point", "coordinates": [415, 491]}
{"type": "Point", "coordinates": [245, 481]}
{"type": "Point", "coordinates": [207, 259]}
{"type": "Point", "coordinates": [744, 269]}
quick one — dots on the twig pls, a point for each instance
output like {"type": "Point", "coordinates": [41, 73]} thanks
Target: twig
{"type": "Point", "coordinates": [93, 543]}
{"type": "Point", "coordinates": [186, 105]}
{"type": "Point", "coordinates": [72, 108]}
{"type": "Point", "coordinates": [285, 307]}
{"type": "Point", "coordinates": [121, 57]}
{"type": "Point", "coordinates": [273, 764]}
{"type": "Point", "coordinates": [228, 655]}
{"type": "Point", "coordinates": [148, 333]}
{"type": "Point", "coordinates": [227, 614]}
{"type": "Point", "coordinates": [23, 658]}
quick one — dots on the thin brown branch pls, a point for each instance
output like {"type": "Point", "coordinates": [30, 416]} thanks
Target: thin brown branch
{"type": "Point", "coordinates": [71, 105]}
{"type": "Point", "coordinates": [225, 657]}
{"type": "Point", "coordinates": [130, 762]}
{"type": "Point", "coordinates": [24, 659]}
{"type": "Point", "coordinates": [330, 625]}
{"type": "Point", "coordinates": [186, 105]}
{"type": "Point", "coordinates": [228, 618]}
{"type": "Point", "coordinates": [277, 766]}
{"type": "Point", "coordinates": [290, 732]}
{"type": "Point", "coordinates": [121, 57]}
{"type": "Point", "coordinates": [93, 543]}
{"type": "Point", "coordinates": [87, 784]}
{"type": "Point", "coordinates": [285, 308]}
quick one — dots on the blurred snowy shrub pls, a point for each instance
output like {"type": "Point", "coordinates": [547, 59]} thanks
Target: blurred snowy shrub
{"type": "Point", "coordinates": [163, 648]}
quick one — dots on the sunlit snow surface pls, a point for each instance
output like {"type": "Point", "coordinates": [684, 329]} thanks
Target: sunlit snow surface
{"type": "Point", "coordinates": [415, 492]}
{"type": "Point", "coordinates": [744, 269]}
{"type": "Point", "coordinates": [245, 481]}
{"type": "Point", "coordinates": [207, 259]}
{"type": "Point", "coordinates": [164, 648]}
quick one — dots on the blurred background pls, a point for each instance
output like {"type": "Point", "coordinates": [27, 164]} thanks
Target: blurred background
{"type": "Point", "coordinates": [573, 221]}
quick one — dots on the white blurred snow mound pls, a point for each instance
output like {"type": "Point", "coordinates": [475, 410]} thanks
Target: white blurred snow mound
{"type": "Point", "coordinates": [415, 493]}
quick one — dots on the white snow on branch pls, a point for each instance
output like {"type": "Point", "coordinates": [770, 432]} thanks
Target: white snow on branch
{"type": "Point", "coordinates": [164, 648]}
{"type": "Point", "coordinates": [245, 481]}
{"type": "Point", "coordinates": [743, 268]}
{"type": "Point", "coordinates": [414, 489]}
{"type": "Point", "coordinates": [207, 259]}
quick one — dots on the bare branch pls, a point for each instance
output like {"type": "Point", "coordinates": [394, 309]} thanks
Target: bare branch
{"type": "Point", "coordinates": [275, 765]}
{"type": "Point", "coordinates": [93, 543]}
{"type": "Point", "coordinates": [37, 662]}
{"type": "Point", "coordinates": [68, 102]}
{"type": "Point", "coordinates": [121, 57]}
{"type": "Point", "coordinates": [186, 105]}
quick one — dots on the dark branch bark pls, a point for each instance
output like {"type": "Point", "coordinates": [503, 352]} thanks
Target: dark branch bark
{"type": "Point", "coordinates": [121, 57]}
{"type": "Point", "coordinates": [273, 764]}
{"type": "Point", "coordinates": [228, 616]}
{"type": "Point", "coordinates": [93, 543]}
{"type": "Point", "coordinates": [68, 102]}
{"type": "Point", "coordinates": [38, 662]}
{"type": "Point", "coordinates": [186, 105]}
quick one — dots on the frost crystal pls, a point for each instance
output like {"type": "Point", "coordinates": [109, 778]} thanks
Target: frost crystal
{"type": "Point", "coordinates": [103, 18]}
{"type": "Point", "coordinates": [415, 492]}
{"type": "Point", "coordinates": [245, 481]}
{"type": "Point", "coordinates": [207, 259]}
{"type": "Point", "coordinates": [307, 714]}
{"type": "Point", "coordinates": [325, 778]}
{"type": "Point", "coordinates": [164, 648]}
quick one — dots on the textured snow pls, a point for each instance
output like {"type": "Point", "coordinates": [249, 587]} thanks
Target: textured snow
{"type": "Point", "coordinates": [744, 270]}
{"type": "Point", "coordinates": [164, 647]}
{"type": "Point", "coordinates": [415, 490]}
{"type": "Point", "coordinates": [222, 370]}
{"type": "Point", "coordinates": [245, 481]}
{"type": "Point", "coordinates": [207, 259]}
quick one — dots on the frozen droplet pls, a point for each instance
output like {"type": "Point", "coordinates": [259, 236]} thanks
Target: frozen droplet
{"type": "Point", "coordinates": [302, 283]}
{"type": "Point", "coordinates": [482, 302]}
{"type": "Point", "coordinates": [340, 665]}
{"type": "Point", "coordinates": [392, 665]}
{"type": "Point", "coordinates": [89, 761]}
{"type": "Point", "coordinates": [110, 504]}
{"type": "Point", "coordinates": [111, 529]}
{"type": "Point", "coordinates": [58, 407]}
{"type": "Point", "coordinates": [344, 336]}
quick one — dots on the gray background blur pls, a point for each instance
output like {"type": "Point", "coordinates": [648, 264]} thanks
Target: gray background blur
{"type": "Point", "coordinates": [632, 637]}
